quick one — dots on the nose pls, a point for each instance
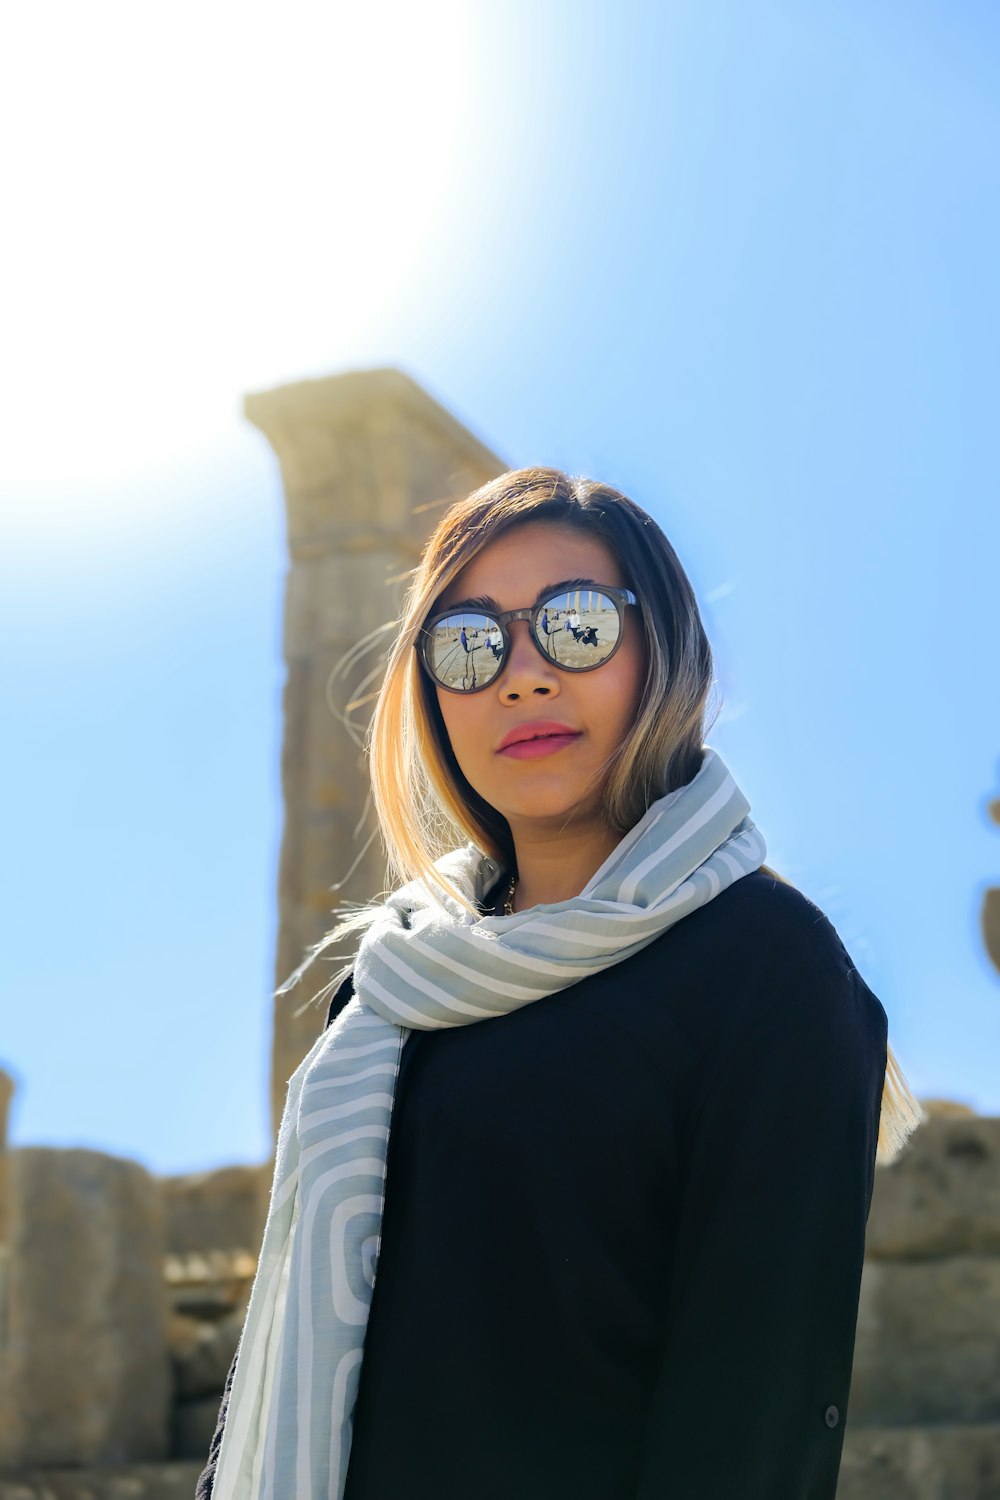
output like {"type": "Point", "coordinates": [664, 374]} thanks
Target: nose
{"type": "Point", "coordinates": [526, 671]}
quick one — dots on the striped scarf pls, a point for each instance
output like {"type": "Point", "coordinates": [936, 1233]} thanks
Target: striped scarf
{"type": "Point", "coordinates": [424, 963]}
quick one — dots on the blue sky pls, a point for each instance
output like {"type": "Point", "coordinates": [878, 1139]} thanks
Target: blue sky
{"type": "Point", "coordinates": [740, 261]}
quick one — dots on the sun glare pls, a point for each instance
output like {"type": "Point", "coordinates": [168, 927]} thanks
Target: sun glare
{"type": "Point", "coordinates": [209, 199]}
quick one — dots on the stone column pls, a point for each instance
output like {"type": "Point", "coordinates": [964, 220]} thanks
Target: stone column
{"type": "Point", "coordinates": [369, 462]}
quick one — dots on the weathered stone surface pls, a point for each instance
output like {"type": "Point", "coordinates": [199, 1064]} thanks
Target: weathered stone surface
{"type": "Point", "coordinates": [953, 1108]}
{"type": "Point", "coordinates": [369, 461]}
{"type": "Point", "coordinates": [221, 1210]}
{"type": "Point", "coordinates": [909, 1463]}
{"type": "Point", "coordinates": [84, 1375]}
{"type": "Point", "coordinates": [168, 1481]}
{"type": "Point", "coordinates": [194, 1424]}
{"type": "Point", "coordinates": [920, 1463]}
{"type": "Point", "coordinates": [209, 1285]}
{"type": "Point", "coordinates": [6, 1095]}
{"type": "Point", "coordinates": [989, 918]}
{"type": "Point", "coordinates": [928, 1342]}
{"type": "Point", "coordinates": [183, 1334]}
{"type": "Point", "coordinates": [353, 449]}
{"type": "Point", "coordinates": [201, 1362]}
{"type": "Point", "coordinates": [941, 1196]}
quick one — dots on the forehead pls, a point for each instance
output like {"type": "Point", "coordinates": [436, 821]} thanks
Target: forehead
{"type": "Point", "coordinates": [522, 562]}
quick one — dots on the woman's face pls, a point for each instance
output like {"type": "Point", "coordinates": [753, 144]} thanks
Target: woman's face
{"type": "Point", "coordinates": [561, 779]}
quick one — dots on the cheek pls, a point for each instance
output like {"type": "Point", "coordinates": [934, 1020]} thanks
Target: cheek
{"type": "Point", "coordinates": [638, 659]}
{"type": "Point", "coordinates": [461, 725]}
{"type": "Point", "coordinates": [630, 677]}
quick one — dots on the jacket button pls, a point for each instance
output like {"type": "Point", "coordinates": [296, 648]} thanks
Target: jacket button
{"type": "Point", "coordinates": [831, 1416]}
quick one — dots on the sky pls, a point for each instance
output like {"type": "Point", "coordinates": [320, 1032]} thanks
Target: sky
{"type": "Point", "coordinates": [739, 261]}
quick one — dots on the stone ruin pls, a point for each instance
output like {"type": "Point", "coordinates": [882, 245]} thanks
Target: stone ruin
{"type": "Point", "coordinates": [122, 1294]}
{"type": "Point", "coordinates": [989, 916]}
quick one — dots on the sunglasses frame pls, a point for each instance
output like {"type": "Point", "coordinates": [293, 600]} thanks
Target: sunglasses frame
{"type": "Point", "coordinates": [620, 597]}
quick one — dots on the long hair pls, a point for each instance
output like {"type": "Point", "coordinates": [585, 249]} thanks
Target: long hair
{"type": "Point", "coordinates": [425, 806]}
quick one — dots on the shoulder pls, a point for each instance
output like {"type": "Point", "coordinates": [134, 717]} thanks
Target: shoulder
{"type": "Point", "coordinates": [761, 957]}
{"type": "Point", "coordinates": [809, 981]}
{"type": "Point", "coordinates": [768, 921]}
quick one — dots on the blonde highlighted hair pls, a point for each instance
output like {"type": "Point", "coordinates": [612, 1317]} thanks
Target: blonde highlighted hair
{"type": "Point", "coordinates": [423, 802]}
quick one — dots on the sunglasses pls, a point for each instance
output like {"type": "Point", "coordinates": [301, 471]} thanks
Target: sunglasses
{"type": "Point", "coordinates": [577, 627]}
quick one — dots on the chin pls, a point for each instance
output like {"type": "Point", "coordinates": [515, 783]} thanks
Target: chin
{"type": "Point", "coordinates": [551, 805]}
{"type": "Point", "coordinates": [543, 795]}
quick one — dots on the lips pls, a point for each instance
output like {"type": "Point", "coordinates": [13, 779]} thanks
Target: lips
{"type": "Point", "coordinates": [543, 733]}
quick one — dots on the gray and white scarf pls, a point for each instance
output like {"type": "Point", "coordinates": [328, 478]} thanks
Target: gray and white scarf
{"type": "Point", "coordinates": [424, 963]}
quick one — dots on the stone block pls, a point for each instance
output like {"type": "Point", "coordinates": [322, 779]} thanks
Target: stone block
{"type": "Point", "coordinates": [920, 1463]}
{"type": "Point", "coordinates": [941, 1196]}
{"type": "Point", "coordinates": [194, 1424]}
{"type": "Point", "coordinates": [183, 1333]}
{"type": "Point", "coordinates": [6, 1095]}
{"type": "Point", "coordinates": [84, 1371]}
{"type": "Point", "coordinates": [366, 449]}
{"type": "Point", "coordinates": [168, 1481]}
{"type": "Point", "coordinates": [201, 1362]}
{"type": "Point", "coordinates": [989, 918]}
{"type": "Point", "coordinates": [336, 599]}
{"type": "Point", "coordinates": [208, 1286]}
{"type": "Point", "coordinates": [220, 1210]}
{"type": "Point", "coordinates": [928, 1343]}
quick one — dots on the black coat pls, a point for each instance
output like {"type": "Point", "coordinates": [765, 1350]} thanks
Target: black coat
{"type": "Point", "coordinates": [624, 1228]}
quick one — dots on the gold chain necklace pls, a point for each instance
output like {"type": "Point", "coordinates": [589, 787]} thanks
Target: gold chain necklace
{"type": "Point", "coordinates": [508, 906]}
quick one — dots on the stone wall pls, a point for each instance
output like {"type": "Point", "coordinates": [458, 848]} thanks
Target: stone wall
{"type": "Point", "coordinates": [220, 1210]}
{"type": "Point", "coordinates": [214, 1222]}
{"type": "Point", "coordinates": [127, 1324]}
{"type": "Point", "coordinates": [121, 1307]}
{"type": "Point", "coordinates": [924, 1418]}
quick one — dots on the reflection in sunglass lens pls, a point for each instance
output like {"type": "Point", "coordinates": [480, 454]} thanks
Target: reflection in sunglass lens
{"type": "Point", "coordinates": [465, 650]}
{"type": "Point", "coordinates": [578, 628]}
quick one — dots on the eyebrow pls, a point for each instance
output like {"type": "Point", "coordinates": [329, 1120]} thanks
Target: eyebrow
{"type": "Point", "coordinates": [489, 605]}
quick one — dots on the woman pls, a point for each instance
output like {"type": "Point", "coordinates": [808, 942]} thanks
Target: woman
{"type": "Point", "coordinates": [619, 1227]}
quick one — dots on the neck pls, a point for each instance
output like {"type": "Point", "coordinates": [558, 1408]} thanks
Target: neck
{"type": "Point", "coordinates": [555, 867]}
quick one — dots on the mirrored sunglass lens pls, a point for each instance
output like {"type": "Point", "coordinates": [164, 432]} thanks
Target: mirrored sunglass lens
{"type": "Point", "coordinates": [465, 650]}
{"type": "Point", "coordinates": [578, 628]}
